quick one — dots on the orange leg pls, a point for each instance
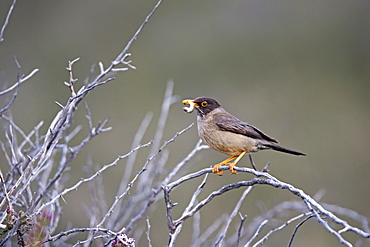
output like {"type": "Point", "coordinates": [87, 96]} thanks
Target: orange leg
{"type": "Point", "coordinates": [215, 167]}
{"type": "Point", "coordinates": [232, 164]}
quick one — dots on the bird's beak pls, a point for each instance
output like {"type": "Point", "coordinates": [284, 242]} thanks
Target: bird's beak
{"type": "Point", "coordinates": [191, 105]}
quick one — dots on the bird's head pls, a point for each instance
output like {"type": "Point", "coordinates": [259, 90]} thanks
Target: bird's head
{"type": "Point", "coordinates": [203, 105]}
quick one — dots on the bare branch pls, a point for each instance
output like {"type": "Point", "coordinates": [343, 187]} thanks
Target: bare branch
{"type": "Point", "coordinates": [314, 207]}
{"type": "Point", "coordinates": [252, 161]}
{"type": "Point", "coordinates": [276, 229]}
{"type": "Point", "coordinates": [121, 56]}
{"type": "Point", "coordinates": [77, 230]}
{"type": "Point", "coordinates": [84, 180]}
{"type": "Point", "coordinates": [242, 219]}
{"type": "Point", "coordinates": [71, 79]}
{"type": "Point", "coordinates": [155, 192]}
{"type": "Point", "coordinates": [259, 229]}
{"type": "Point", "coordinates": [175, 231]}
{"type": "Point", "coordinates": [16, 86]}
{"type": "Point", "coordinates": [233, 214]}
{"type": "Point", "coordinates": [73, 152]}
{"type": "Point", "coordinates": [11, 101]}
{"type": "Point", "coordinates": [6, 20]}
{"type": "Point", "coordinates": [296, 228]}
{"type": "Point", "coordinates": [19, 82]}
{"type": "Point", "coordinates": [148, 233]}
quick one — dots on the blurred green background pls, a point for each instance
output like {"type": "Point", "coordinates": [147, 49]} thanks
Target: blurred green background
{"type": "Point", "coordinates": [298, 70]}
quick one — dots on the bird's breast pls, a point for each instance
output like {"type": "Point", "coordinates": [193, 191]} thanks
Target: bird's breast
{"type": "Point", "coordinates": [224, 141]}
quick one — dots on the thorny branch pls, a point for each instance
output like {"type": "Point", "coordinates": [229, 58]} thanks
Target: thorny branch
{"type": "Point", "coordinates": [39, 160]}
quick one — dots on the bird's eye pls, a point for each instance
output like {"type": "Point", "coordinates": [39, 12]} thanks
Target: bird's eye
{"type": "Point", "coordinates": [204, 103]}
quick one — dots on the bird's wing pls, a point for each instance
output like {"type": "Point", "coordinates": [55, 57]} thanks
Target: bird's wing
{"type": "Point", "coordinates": [230, 123]}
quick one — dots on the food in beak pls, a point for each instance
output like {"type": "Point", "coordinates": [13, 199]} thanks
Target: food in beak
{"type": "Point", "coordinates": [190, 107]}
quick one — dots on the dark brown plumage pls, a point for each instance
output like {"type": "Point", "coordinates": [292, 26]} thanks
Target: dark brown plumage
{"type": "Point", "coordinates": [227, 134]}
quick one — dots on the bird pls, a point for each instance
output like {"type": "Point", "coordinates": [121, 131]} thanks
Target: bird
{"type": "Point", "coordinates": [227, 134]}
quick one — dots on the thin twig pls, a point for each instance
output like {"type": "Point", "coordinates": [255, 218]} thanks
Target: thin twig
{"type": "Point", "coordinates": [84, 180]}
{"type": "Point", "coordinates": [73, 153]}
{"type": "Point", "coordinates": [260, 242]}
{"type": "Point", "coordinates": [296, 228]}
{"type": "Point", "coordinates": [252, 161]}
{"type": "Point", "coordinates": [258, 231]}
{"type": "Point", "coordinates": [242, 219]}
{"type": "Point", "coordinates": [7, 20]}
{"type": "Point", "coordinates": [148, 233]}
{"type": "Point", "coordinates": [11, 101]}
{"type": "Point", "coordinates": [76, 230]}
{"type": "Point", "coordinates": [151, 200]}
{"type": "Point", "coordinates": [19, 82]}
{"type": "Point", "coordinates": [232, 215]}
{"type": "Point", "coordinates": [174, 231]}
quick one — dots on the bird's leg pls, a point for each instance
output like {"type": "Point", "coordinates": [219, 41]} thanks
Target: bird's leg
{"type": "Point", "coordinates": [232, 164]}
{"type": "Point", "coordinates": [215, 167]}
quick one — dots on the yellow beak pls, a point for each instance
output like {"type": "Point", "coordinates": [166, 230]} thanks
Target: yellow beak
{"type": "Point", "coordinates": [188, 101]}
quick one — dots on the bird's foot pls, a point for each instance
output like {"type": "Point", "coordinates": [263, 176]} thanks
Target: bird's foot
{"type": "Point", "coordinates": [232, 164]}
{"type": "Point", "coordinates": [216, 170]}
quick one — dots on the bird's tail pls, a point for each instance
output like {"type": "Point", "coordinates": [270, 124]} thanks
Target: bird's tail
{"type": "Point", "coordinates": [283, 149]}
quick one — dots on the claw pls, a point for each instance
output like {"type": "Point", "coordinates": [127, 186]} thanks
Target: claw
{"type": "Point", "coordinates": [233, 171]}
{"type": "Point", "coordinates": [216, 170]}
{"type": "Point", "coordinates": [215, 167]}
